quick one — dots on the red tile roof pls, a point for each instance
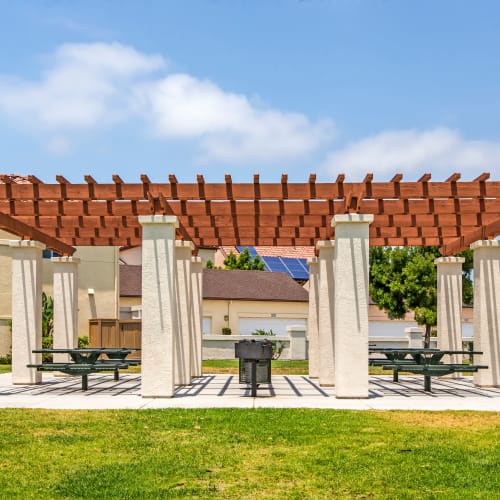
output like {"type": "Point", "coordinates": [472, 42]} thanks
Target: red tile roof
{"type": "Point", "coordinates": [293, 252]}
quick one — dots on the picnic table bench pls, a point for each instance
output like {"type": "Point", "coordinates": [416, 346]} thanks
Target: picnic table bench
{"type": "Point", "coordinates": [87, 360]}
{"type": "Point", "coordinates": [427, 362]}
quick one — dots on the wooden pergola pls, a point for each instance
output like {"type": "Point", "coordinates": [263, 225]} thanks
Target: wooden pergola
{"type": "Point", "coordinates": [450, 214]}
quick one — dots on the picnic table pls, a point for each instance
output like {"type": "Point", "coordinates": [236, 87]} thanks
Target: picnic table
{"type": "Point", "coordinates": [88, 360]}
{"type": "Point", "coordinates": [428, 362]}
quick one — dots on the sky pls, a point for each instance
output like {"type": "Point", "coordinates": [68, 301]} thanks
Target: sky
{"type": "Point", "coordinates": [244, 87]}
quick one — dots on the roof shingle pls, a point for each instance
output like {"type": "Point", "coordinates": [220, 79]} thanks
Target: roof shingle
{"type": "Point", "coordinates": [228, 284]}
{"type": "Point", "coordinates": [251, 285]}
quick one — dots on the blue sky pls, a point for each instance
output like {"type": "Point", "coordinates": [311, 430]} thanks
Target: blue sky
{"type": "Point", "coordinates": [244, 87]}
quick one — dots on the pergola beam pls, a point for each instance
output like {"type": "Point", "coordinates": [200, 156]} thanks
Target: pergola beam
{"type": "Point", "coordinates": [27, 232]}
{"type": "Point", "coordinates": [447, 214]}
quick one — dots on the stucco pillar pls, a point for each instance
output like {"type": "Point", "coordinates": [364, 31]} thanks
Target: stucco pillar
{"type": "Point", "coordinates": [312, 319]}
{"type": "Point", "coordinates": [26, 310]}
{"type": "Point", "coordinates": [326, 313]}
{"type": "Point", "coordinates": [487, 311]}
{"type": "Point", "coordinates": [449, 307]}
{"type": "Point", "coordinates": [196, 315]}
{"type": "Point", "coordinates": [351, 304]}
{"type": "Point", "coordinates": [415, 336]}
{"type": "Point", "coordinates": [158, 305]}
{"type": "Point", "coordinates": [65, 295]}
{"type": "Point", "coordinates": [297, 335]}
{"type": "Point", "coordinates": [183, 336]}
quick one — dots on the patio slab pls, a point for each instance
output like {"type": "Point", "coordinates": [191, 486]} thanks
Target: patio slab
{"type": "Point", "coordinates": [224, 391]}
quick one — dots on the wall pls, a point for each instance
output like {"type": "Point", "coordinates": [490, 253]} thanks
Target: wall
{"type": "Point", "coordinates": [131, 256]}
{"type": "Point", "coordinates": [222, 346]}
{"type": "Point", "coordinates": [206, 254]}
{"type": "Point", "coordinates": [235, 309]}
{"type": "Point", "coordinates": [98, 270]}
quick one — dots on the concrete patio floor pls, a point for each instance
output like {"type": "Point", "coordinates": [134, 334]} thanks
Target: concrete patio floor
{"type": "Point", "coordinates": [224, 391]}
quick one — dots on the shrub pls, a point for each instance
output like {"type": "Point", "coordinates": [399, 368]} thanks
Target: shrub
{"type": "Point", "coordinates": [278, 345]}
{"type": "Point", "coordinates": [83, 341]}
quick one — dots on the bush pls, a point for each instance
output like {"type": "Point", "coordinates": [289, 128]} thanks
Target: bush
{"type": "Point", "coordinates": [47, 343]}
{"type": "Point", "coordinates": [226, 330]}
{"type": "Point", "coordinates": [83, 341]}
{"type": "Point", "coordinates": [6, 360]}
{"type": "Point", "coordinates": [278, 345]}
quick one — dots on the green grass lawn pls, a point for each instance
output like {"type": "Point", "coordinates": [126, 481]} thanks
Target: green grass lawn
{"type": "Point", "coordinates": [278, 367]}
{"type": "Point", "coordinates": [237, 453]}
{"type": "Point", "coordinates": [5, 368]}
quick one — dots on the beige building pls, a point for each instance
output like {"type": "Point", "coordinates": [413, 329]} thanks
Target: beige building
{"type": "Point", "coordinates": [98, 286]}
{"type": "Point", "coordinates": [241, 300]}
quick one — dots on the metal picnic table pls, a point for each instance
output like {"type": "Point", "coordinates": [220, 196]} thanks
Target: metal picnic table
{"type": "Point", "coordinates": [425, 361]}
{"type": "Point", "coordinates": [87, 360]}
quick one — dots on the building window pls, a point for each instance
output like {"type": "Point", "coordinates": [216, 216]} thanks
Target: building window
{"type": "Point", "coordinates": [47, 254]}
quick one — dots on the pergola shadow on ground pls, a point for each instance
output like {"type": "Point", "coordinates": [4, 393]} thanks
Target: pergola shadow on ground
{"type": "Point", "coordinates": [224, 391]}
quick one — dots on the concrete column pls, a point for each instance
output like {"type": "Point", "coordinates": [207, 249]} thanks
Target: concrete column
{"type": "Point", "coordinates": [351, 304]}
{"type": "Point", "coordinates": [326, 313]}
{"type": "Point", "coordinates": [26, 310]}
{"type": "Point", "coordinates": [197, 315]}
{"type": "Point", "coordinates": [297, 334]}
{"type": "Point", "coordinates": [487, 311]}
{"type": "Point", "coordinates": [449, 307]}
{"type": "Point", "coordinates": [158, 305]}
{"type": "Point", "coordinates": [312, 320]}
{"type": "Point", "coordinates": [65, 295]}
{"type": "Point", "coordinates": [415, 336]}
{"type": "Point", "coordinates": [183, 338]}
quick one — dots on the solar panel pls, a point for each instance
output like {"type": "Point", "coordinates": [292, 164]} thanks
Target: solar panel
{"type": "Point", "coordinates": [274, 264]}
{"type": "Point", "coordinates": [295, 268]}
{"type": "Point", "coordinates": [251, 250]}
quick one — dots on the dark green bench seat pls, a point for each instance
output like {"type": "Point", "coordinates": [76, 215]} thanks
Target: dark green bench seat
{"type": "Point", "coordinates": [82, 369]}
{"type": "Point", "coordinates": [429, 370]}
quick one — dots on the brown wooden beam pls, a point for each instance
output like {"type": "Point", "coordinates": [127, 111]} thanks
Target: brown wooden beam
{"type": "Point", "coordinates": [28, 232]}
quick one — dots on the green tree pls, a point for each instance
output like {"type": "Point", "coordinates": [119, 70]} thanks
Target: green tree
{"type": "Point", "coordinates": [47, 325]}
{"type": "Point", "coordinates": [243, 261]}
{"type": "Point", "coordinates": [467, 268]}
{"type": "Point", "coordinates": [47, 315]}
{"type": "Point", "coordinates": [405, 279]}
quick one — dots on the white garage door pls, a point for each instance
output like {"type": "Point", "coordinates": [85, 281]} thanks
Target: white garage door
{"type": "Point", "coordinates": [278, 325]}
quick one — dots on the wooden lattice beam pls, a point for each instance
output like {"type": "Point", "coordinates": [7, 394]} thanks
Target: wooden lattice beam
{"type": "Point", "coordinates": [28, 232]}
{"type": "Point", "coordinates": [447, 213]}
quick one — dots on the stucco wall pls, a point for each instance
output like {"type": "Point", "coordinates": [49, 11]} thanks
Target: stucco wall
{"type": "Point", "coordinates": [131, 256]}
{"type": "Point", "coordinates": [236, 309]}
{"type": "Point", "coordinates": [98, 270]}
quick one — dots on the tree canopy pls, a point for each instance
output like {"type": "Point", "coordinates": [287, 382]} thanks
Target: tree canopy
{"type": "Point", "coordinates": [243, 261]}
{"type": "Point", "coordinates": [405, 279]}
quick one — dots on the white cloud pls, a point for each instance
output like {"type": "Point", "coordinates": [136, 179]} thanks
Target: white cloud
{"type": "Point", "coordinates": [229, 126]}
{"type": "Point", "coordinates": [86, 85]}
{"type": "Point", "coordinates": [58, 145]}
{"type": "Point", "coordinates": [441, 151]}
{"type": "Point", "coordinates": [91, 85]}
